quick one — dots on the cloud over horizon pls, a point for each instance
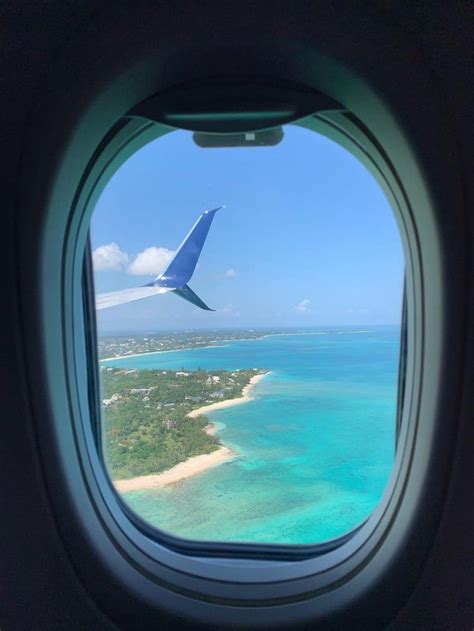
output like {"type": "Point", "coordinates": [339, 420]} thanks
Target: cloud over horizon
{"type": "Point", "coordinates": [109, 258]}
{"type": "Point", "coordinates": [230, 310]}
{"type": "Point", "coordinates": [150, 261]}
{"type": "Point", "coordinates": [303, 306]}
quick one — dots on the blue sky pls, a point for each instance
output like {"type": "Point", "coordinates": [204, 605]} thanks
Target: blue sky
{"type": "Point", "coordinates": [307, 237]}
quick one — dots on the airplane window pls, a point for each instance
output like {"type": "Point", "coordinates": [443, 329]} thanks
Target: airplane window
{"type": "Point", "coordinates": [249, 302]}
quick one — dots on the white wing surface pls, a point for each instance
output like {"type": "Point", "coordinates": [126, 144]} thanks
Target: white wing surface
{"type": "Point", "coordinates": [114, 298]}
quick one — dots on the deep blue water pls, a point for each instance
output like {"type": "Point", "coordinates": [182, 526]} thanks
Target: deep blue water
{"type": "Point", "coordinates": [315, 447]}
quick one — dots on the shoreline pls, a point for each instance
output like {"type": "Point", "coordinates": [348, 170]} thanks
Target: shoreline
{"type": "Point", "coordinates": [177, 350]}
{"type": "Point", "coordinates": [196, 464]}
{"type": "Point", "coordinates": [244, 339]}
{"type": "Point", "coordinates": [221, 405]}
{"type": "Point", "coordinates": [182, 471]}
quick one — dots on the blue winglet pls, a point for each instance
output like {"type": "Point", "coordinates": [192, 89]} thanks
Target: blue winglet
{"type": "Point", "coordinates": [188, 294]}
{"type": "Point", "coordinates": [183, 264]}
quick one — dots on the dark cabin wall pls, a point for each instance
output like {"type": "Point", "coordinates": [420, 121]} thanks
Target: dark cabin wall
{"type": "Point", "coordinates": [444, 597]}
{"type": "Point", "coordinates": [39, 588]}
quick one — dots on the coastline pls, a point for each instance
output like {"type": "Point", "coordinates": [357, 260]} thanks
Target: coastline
{"type": "Point", "coordinates": [189, 468]}
{"type": "Point", "coordinates": [177, 350]}
{"type": "Point", "coordinates": [244, 339]}
{"type": "Point", "coordinates": [196, 464]}
{"type": "Point", "coordinates": [220, 405]}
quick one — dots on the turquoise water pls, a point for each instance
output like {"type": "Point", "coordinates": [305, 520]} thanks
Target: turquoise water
{"type": "Point", "coordinates": [315, 447]}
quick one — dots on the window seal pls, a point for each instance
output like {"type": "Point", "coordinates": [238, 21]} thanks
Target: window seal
{"type": "Point", "coordinates": [402, 365]}
{"type": "Point", "coordinates": [92, 355]}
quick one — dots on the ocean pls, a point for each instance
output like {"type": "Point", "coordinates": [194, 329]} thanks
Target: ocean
{"type": "Point", "coordinates": [315, 447]}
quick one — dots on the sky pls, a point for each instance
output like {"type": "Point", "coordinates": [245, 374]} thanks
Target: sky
{"type": "Point", "coordinates": [307, 237]}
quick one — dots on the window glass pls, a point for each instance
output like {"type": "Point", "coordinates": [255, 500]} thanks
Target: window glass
{"type": "Point", "coordinates": [270, 418]}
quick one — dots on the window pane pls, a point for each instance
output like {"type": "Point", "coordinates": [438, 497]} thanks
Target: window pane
{"type": "Point", "coordinates": [272, 418]}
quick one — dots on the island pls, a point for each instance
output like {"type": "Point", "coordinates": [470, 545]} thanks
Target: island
{"type": "Point", "coordinates": [120, 346]}
{"type": "Point", "coordinates": [156, 431]}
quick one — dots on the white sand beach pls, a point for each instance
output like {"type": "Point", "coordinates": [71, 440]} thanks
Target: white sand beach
{"type": "Point", "coordinates": [220, 405]}
{"type": "Point", "coordinates": [188, 468]}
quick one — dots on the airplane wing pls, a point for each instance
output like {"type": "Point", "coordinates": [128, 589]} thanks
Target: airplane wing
{"type": "Point", "coordinates": [175, 277]}
{"type": "Point", "coordinates": [114, 298]}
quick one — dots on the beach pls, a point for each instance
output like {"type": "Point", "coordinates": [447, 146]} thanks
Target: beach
{"type": "Point", "coordinates": [220, 405]}
{"type": "Point", "coordinates": [197, 464]}
{"type": "Point", "coordinates": [188, 468]}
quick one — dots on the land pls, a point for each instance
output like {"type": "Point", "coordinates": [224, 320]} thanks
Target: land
{"type": "Point", "coordinates": [219, 405]}
{"type": "Point", "coordinates": [156, 431]}
{"type": "Point", "coordinates": [113, 347]}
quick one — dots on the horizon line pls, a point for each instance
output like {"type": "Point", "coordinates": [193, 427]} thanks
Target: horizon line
{"type": "Point", "coordinates": [238, 328]}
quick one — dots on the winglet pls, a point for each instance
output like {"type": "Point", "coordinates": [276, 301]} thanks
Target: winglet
{"type": "Point", "coordinates": [182, 266]}
{"type": "Point", "coordinates": [188, 294]}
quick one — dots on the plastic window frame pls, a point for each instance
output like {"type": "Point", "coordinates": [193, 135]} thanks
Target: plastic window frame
{"type": "Point", "coordinates": [124, 140]}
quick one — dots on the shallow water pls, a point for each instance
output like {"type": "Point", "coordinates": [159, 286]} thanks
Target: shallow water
{"type": "Point", "coordinates": [315, 447]}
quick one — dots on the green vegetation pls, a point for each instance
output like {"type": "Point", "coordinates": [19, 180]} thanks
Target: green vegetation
{"type": "Point", "coordinates": [116, 346]}
{"type": "Point", "coordinates": [145, 416]}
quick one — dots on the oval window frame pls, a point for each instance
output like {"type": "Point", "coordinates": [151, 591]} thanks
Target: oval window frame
{"type": "Point", "coordinates": [127, 137]}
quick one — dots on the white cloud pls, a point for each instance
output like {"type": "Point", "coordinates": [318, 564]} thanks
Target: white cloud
{"type": "Point", "coordinates": [230, 273]}
{"type": "Point", "coordinates": [109, 258]}
{"type": "Point", "coordinates": [231, 310]}
{"type": "Point", "coordinates": [150, 262]}
{"type": "Point", "coordinates": [303, 306]}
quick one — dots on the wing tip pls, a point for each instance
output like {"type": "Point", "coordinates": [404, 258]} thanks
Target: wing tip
{"type": "Point", "coordinates": [214, 210]}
